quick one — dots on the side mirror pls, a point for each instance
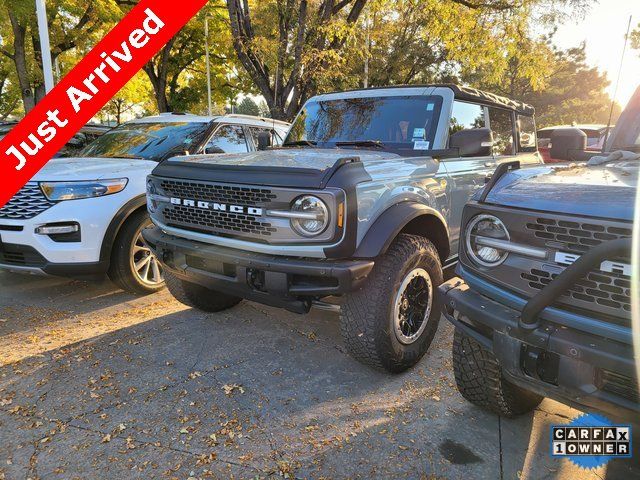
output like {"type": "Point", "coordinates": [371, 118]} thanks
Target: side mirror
{"type": "Point", "coordinates": [473, 142]}
{"type": "Point", "coordinates": [264, 140]}
{"type": "Point", "coordinates": [213, 150]}
{"type": "Point", "coordinates": [566, 143]}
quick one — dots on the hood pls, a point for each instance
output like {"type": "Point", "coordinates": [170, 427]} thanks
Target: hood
{"type": "Point", "coordinates": [307, 158]}
{"type": "Point", "coordinates": [70, 169]}
{"type": "Point", "coordinates": [604, 191]}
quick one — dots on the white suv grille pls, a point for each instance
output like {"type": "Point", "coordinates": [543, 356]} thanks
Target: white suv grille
{"type": "Point", "coordinates": [27, 203]}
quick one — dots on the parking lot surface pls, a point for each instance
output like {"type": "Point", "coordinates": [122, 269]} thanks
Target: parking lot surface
{"type": "Point", "coordinates": [96, 383]}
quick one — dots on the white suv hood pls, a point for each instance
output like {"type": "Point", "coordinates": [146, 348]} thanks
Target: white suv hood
{"type": "Point", "coordinates": [70, 169]}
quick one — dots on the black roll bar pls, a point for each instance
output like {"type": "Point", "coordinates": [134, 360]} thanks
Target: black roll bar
{"type": "Point", "coordinates": [529, 318]}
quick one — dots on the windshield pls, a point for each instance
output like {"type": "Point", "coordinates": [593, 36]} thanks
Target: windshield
{"type": "Point", "coordinates": [148, 141]}
{"type": "Point", "coordinates": [395, 122]}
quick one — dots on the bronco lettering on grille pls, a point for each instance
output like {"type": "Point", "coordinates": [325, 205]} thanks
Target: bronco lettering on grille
{"type": "Point", "coordinates": [608, 266]}
{"type": "Point", "coordinates": [220, 207]}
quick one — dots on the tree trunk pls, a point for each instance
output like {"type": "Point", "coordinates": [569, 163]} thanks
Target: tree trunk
{"type": "Point", "coordinates": [159, 84]}
{"type": "Point", "coordinates": [20, 62]}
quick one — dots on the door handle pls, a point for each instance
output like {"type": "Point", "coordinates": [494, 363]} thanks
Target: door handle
{"type": "Point", "coordinates": [489, 164]}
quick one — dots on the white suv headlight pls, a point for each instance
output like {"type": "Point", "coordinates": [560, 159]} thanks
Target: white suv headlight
{"type": "Point", "coordinates": [316, 213]}
{"type": "Point", "coordinates": [484, 235]}
{"type": "Point", "coordinates": [58, 191]}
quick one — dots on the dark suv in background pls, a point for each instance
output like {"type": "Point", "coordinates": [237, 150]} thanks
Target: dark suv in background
{"type": "Point", "coordinates": [542, 305]}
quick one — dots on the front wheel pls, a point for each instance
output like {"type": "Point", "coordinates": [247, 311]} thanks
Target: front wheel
{"type": "Point", "coordinates": [134, 267]}
{"type": "Point", "coordinates": [390, 322]}
{"type": "Point", "coordinates": [480, 380]}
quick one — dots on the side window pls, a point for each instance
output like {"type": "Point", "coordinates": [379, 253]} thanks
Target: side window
{"type": "Point", "coordinates": [278, 138]}
{"type": "Point", "coordinates": [501, 123]}
{"type": "Point", "coordinates": [229, 139]}
{"type": "Point", "coordinates": [275, 140]}
{"type": "Point", "coordinates": [526, 134]}
{"type": "Point", "coordinates": [465, 116]}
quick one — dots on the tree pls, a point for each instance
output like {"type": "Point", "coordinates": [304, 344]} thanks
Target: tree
{"type": "Point", "coordinates": [560, 84]}
{"type": "Point", "coordinates": [135, 97]}
{"type": "Point", "coordinates": [289, 48]}
{"type": "Point", "coordinates": [73, 24]}
{"type": "Point", "coordinates": [177, 72]}
{"type": "Point", "coordinates": [9, 93]}
{"type": "Point", "coordinates": [248, 107]}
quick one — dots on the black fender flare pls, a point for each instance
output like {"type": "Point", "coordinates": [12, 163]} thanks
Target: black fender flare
{"type": "Point", "coordinates": [116, 223]}
{"type": "Point", "coordinates": [389, 225]}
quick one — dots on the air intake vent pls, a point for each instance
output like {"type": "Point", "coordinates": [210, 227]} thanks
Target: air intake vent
{"type": "Point", "coordinates": [575, 237]}
{"type": "Point", "coordinates": [620, 385]}
{"type": "Point", "coordinates": [606, 289]}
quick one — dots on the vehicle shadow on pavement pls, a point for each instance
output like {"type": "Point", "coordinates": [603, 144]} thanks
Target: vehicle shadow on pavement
{"type": "Point", "coordinates": [27, 300]}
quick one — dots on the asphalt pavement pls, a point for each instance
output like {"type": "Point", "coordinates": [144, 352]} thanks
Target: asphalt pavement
{"type": "Point", "coordinates": [96, 383]}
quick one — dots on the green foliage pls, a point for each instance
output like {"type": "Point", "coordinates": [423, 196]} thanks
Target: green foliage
{"type": "Point", "coordinates": [563, 88]}
{"type": "Point", "coordinates": [248, 107]}
{"type": "Point", "coordinates": [293, 49]}
{"type": "Point", "coordinates": [74, 25]}
{"type": "Point", "coordinates": [132, 100]}
{"type": "Point", "coordinates": [9, 91]}
{"type": "Point", "coordinates": [288, 51]}
{"type": "Point", "coordinates": [178, 72]}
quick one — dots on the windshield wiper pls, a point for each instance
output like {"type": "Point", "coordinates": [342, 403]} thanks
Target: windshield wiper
{"type": "Point", "coordinates": [128, 157]}
{"type": "Point", "coordinates": [301, 143]}
{"type": "Point", "coordinates": [361, 143]}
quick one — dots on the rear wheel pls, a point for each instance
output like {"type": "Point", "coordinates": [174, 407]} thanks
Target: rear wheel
{"type": "Point", "coordinates": [480, 380]}
{"type": "Point", "coordinates": [134, 267]}
{"type": "Point", "coordinates": [199, 297]}
{"type": "Point", "coordinates": [390, 323]}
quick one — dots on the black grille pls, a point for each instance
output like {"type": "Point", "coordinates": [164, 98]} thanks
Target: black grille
{"type": "Point", "coordinates": [620, 385]}
{"type": "Point", "coordinates": [575, 237]}
{"type": "Point", "coordinates": [188, 217]}
{"type": "Point", "coordinates": [20, 256]}
{"type": "Point", "coordinates": [218, 193]}
{"type": "Point", "coordinates": [606, 289]}
{"type": "Point", "coordinates": [220, 222]}
{"type": "Point", "coordinates": [26, 204]}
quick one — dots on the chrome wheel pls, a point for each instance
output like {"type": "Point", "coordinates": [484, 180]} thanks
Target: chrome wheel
{"type": "Point", "coordinates": [144, 264]}
{"type": "Point", "coordinates": [412, 306]}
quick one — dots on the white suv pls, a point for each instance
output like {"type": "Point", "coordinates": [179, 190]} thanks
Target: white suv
{"type": "Point", "coordinates": [82, 217]}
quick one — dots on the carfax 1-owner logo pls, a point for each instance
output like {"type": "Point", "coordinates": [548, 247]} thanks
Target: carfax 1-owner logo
{"type": "Point", "coordinates": [591, 441]}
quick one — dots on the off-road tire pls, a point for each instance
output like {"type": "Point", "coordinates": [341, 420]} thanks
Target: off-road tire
{"type": "Point", "coordinates": [367, 318]}
{"type": "Point", "coordinates": [197, 296]}
{"type": "Point", "coordinates": [120, 269]}
{"type": "Point", "coordinates": [480, 380]}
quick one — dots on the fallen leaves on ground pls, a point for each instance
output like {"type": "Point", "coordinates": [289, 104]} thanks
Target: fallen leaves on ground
{"type": "Point", "coordinates": [230, 389]}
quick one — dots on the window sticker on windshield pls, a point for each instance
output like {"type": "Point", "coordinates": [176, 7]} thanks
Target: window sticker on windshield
{"type": "Point", "coordinates": [421, 145]}
{"type": "Point", "coordinates": [419, 133]}
{"type": "Point", "coordinates": [430, 106]}
{"type": "Point", "coordinates": [188, 141]}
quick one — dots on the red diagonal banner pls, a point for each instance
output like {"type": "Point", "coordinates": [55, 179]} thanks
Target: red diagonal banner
{"type": "Point", "coordinates": [87, 88]}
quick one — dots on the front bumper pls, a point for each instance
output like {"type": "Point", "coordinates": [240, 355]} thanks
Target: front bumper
{"type": "Point", "coordinates": [42, 252]}
{"type": "Point", "coordinates": [286, 282]}
{"type": "Point", "coordinates": [568, 364]}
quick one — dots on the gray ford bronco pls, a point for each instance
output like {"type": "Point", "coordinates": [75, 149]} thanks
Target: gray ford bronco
{"type": "Point", "coordinates": [542, 305]}
{"type": "Point", "coordinates": [362, 201]}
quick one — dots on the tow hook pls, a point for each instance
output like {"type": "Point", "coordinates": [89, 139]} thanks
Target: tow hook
{"type": "Point", "coordinates": [539, 364]}
{"type": "Point", "coordinates": [255, 279]}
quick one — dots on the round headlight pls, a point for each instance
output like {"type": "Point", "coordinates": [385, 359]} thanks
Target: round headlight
{"type": "Point", "coordinates": [483, 236]}
{"type": "Point", "coordinates": [313, 218]}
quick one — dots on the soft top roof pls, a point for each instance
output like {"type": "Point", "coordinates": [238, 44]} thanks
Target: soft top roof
{"type": "Point", "coordinates": [475, 95]}
{"type": "Point", "coordinates": [466, 94]}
